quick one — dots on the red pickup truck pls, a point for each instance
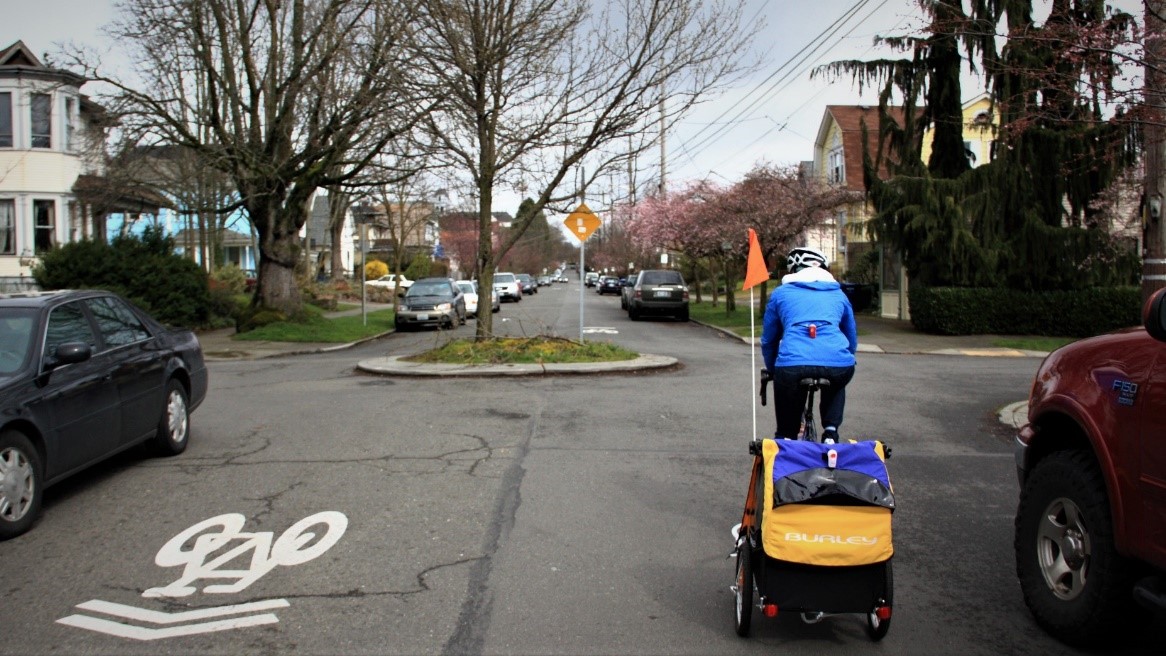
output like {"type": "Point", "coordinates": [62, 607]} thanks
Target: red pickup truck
{"type": "Point", "coordinates": [1090, 529]}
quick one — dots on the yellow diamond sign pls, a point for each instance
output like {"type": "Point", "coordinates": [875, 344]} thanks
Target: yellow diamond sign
{"type": "Point", "coordinates": [582, 222]}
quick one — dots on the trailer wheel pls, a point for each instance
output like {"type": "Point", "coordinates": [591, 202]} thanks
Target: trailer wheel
{"type": "Point", "coordinates": [743, 588]}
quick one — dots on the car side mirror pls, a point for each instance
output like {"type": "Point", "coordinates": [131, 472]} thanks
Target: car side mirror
{"type": "Point", "coordinates": [1154, 315]}
{"type": "Point", "coordinates": [68, 353]}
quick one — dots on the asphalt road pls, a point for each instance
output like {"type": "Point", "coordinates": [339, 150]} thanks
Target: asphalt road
{"type": "Point", "coordinates": [569, 515]}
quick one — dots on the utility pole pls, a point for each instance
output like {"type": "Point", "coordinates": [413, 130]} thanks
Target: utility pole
{"type": "Point", "coordinates": [662, 158]}
{"type": "Point", "coordinates": [1154, 229]}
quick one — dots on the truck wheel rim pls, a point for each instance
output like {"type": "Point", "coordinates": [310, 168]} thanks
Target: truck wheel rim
{"type": "Point", "coordinates": [1063, 549]}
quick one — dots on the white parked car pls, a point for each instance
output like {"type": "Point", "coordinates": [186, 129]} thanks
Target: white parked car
{"type": "Point", "coordinates": [390, 282]}
{"type": "Point", "coordinates": [470, 290]}
{"type": "Point", "coordinates": [507, 286]}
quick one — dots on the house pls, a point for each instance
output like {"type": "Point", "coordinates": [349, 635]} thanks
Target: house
{"type": "Point", "coordinates": [236, 248]}
{"type": "Point", "coordinates": [320, 237]}
{"type": "Point", "coordinates": [53, 188]}
{"type": "Point", "coordinates": [838, 152]}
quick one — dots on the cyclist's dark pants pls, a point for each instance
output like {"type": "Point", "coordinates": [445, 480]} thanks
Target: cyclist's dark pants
{"type": "Point", "coordinates": [790, 400]}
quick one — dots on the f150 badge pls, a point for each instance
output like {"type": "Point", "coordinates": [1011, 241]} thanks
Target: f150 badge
{"type": "Point", "coordinates": [1127, 392]}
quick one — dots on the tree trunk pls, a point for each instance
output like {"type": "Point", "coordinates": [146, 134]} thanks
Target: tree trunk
{"type": "Point", "coordinates": [338, 204]}
{"type": "Point", "coordinates": [1154, 186]}
{"type": "Point", "coordinates": [278, 225]}
{"type": "Point", "coordinates": [484, 328]}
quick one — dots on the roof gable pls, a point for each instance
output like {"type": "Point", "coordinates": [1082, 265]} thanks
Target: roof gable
{"type": "Point", "coordinates": [18, 54]}
{"type": "Point", "coordinates": [850, 120]}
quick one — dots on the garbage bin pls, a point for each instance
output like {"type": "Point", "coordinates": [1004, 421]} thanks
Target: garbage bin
{"type": "Point", "coordinates": [861, 296]}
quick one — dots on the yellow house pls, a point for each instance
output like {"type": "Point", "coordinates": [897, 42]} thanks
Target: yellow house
{"type": "Point", "coordinates": [838, 160]}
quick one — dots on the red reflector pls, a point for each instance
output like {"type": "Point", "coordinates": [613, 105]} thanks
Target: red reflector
{"type": "Point", "coordinates": [813, 331]}
{"type": "Point", "coordinates": [770, 610]}
{"type": "Point", "coordinates": [883, 613]}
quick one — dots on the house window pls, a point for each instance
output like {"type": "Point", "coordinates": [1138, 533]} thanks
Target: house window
{"type": "Point", "coordinates": [5, 120]}
{"type": "Point", "coordinates": [41, 108]}
{"type": "Point", "coordinates": [44, 215]}
{"type": "Point", "coordinates": [70, 126]}
{"type": "Point", "coordinates": [970, 153]}
{"type": "Point", "coordinates": [836, 171]}
{"type": "Point", "coordinates": [842, 231]}
{"type": "Point", "coordinates": [7, 227]}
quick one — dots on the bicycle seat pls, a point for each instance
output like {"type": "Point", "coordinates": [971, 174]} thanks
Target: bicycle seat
{"type": "Point", "coordinates": [814, 383]}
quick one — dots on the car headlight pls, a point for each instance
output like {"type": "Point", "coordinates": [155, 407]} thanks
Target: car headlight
{"type": "Point", "coordinates": [444, 307]}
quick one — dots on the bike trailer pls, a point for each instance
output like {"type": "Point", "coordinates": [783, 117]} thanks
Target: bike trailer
{"type": "Point", "coordinates": [820, 543]}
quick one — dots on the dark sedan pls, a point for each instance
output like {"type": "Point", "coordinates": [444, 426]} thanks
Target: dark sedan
{"type": "Point", "coordinates": [84, 375]}
{"type": "Point", "coordinates": [609, 285]}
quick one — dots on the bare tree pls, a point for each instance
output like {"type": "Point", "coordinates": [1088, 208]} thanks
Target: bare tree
{"type": "Point", "coordinates": [293, 96]}
{"type": "Point", "coordinates": [537, 89]}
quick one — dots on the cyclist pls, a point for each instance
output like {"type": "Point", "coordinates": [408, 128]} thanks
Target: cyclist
{"type": "Point", "coordinates": [808, 331]}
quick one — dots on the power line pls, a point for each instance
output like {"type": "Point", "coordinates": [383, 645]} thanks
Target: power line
{"type": "Point", "coordinates": [816, 43]}
{"type": "Point", "coordinates": [690, 149]}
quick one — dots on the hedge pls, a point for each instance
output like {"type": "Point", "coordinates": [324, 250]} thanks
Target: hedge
{"type": "Point", "coordinates": [974, 311]}
{"type": "Point", "coordinates": [144, 269]}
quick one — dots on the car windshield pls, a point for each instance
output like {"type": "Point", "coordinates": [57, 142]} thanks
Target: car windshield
{"type": "Point", "coordinates": [504, 277]}
{"type": "Point", "coordinates": [429, 289]}
{"type": "Point", "coordinates": [661, 278]}
{"type": "Point", "coordinates": [16, 331]}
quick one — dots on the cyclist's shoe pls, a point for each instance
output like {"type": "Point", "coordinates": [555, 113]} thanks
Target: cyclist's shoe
{"type": "Point", "coordinates": [830, 437]}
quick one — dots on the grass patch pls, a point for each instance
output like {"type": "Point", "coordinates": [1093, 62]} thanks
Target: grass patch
{"type": "Point", "coordinates": [314, 327]}
{"type": "Point", "coordinates": [1034, 343]}
{"type": "Point", "coordinates": [736, 321]}
{"type": "Point", "coordinates": [532, 350]}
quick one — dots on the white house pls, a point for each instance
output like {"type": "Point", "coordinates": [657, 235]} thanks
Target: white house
{"type": "Point", "coordinates": [52, 189]}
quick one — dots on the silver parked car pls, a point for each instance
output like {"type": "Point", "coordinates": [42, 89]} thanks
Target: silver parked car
{"type": "Point", "coordinates": [432, 302]}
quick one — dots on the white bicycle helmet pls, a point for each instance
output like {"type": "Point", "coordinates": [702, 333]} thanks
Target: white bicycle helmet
{"type": "Point", "coordinates": [804, 256]}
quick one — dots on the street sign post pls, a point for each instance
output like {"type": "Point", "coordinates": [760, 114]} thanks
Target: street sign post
{"type": "Point", "coordinates": [582, 222]}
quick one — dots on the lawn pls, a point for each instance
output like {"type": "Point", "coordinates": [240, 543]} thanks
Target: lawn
{"type": "Point", "coordinates": [317, 328]}
{"type": "Point", "coordinates": [1046, 344]}
{"type": "Point", "coordinates": [737, 321]}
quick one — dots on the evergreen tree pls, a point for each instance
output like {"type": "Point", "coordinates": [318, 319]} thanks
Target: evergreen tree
{"type": "Point", "coordinates": [1022, 220]}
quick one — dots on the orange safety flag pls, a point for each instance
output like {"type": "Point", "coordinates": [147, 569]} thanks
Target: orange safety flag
{"type": "Point", "coordinates": [755, 271]}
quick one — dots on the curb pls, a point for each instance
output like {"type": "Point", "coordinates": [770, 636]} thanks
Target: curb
{"type": "Point", "coordinates": [396, 366]}
{"type": "Point", "coordinates": [244, 354]}
{"type": "Point", "coordinates": [1014, 414]}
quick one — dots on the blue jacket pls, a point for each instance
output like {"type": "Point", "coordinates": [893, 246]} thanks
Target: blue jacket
{"type": "Point", "coordinates": [809, 297]}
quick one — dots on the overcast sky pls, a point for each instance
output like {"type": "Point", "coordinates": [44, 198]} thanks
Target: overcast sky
{"type": "Point", "coordinates": [773, 116]}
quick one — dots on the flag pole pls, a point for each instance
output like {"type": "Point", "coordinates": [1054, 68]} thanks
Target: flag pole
{"type": "Point", "coordinates": [755, 274]}
{"type": "Point", "coordinates": [752, 360]}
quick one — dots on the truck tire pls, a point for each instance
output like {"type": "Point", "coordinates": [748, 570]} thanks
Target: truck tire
{"type": "Point", "coordinates": [1075, 583]}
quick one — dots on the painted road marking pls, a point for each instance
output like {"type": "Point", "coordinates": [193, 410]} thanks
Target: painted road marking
{"type": "Point", "coordinates": [602, 330]}
{"type": "Point", "coordinates": [206, 552]}
{"type": "Point", "coordinates": [202, 550]}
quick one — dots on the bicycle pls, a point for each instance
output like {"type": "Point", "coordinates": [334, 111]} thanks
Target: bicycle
{"type": "Point", "coordinates": [809, 429]}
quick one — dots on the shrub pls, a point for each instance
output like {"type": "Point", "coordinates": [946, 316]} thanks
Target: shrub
{"type": "Point", "coordinates": [419, 268]}
{"type": "Point", "coordinates": [375, 269]}
{"type": "Point", "coordinates": [231, 277]}
{"type": "Point", "coordinates": [144, 269]}
{"type": "Point", "coordinates": [974, 311]}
